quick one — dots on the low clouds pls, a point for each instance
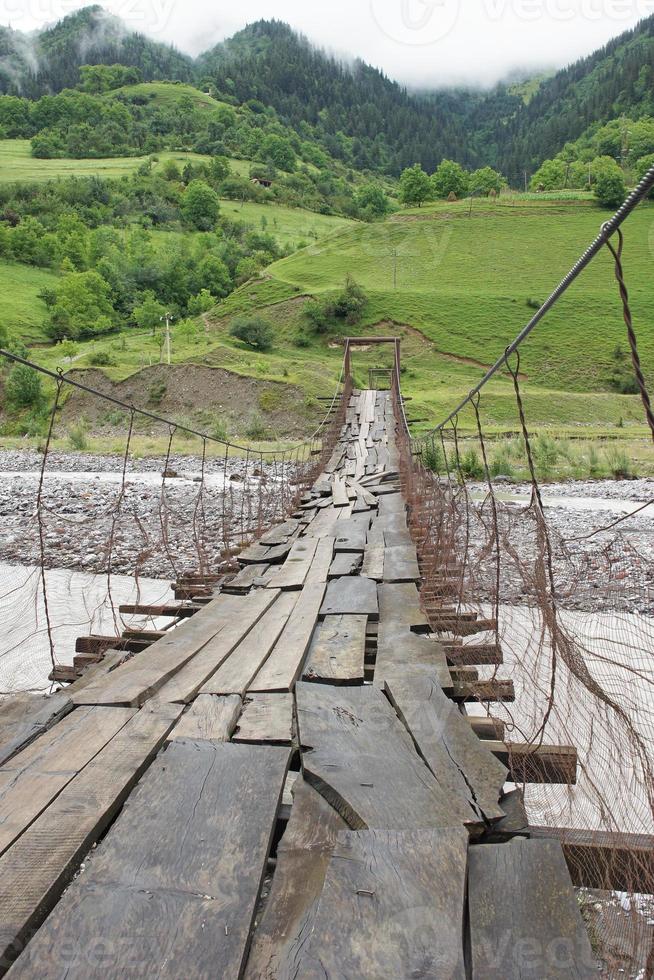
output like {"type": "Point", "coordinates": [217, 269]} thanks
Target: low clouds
{"type": "Point", "coordinates": [423, 43]}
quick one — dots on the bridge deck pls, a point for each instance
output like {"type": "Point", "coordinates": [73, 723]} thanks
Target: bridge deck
{"type": "Point", "coordinates": [306, 713]}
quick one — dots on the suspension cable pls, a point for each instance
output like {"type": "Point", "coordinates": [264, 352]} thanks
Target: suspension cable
{"type": "Point", "coordinates": [606, 231]}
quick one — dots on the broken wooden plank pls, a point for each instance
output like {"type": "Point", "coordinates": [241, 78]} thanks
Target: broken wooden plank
{"type": "Point", "coordinates": [524, 915]}
{"type": "Point", "coordinates": [337, 651]}
{"type": "Point", "coordinates": [302, 856]}
{"type": "Point", "coordinates": [351, 534]}
{"type": "Point", "coordinates": [23, 717]}
{"type": "Point", "coordinates": [210, 718]}
{"type": "Point", "coordinates": [398, 649]}
{"type": "Point", "coordinates": [280, 533]}
{"type": "Point", "coordinates": [266, 718]}
{"type": "Point", "coordinates": [344, 563]}
{"type": "Point", "coordinates": [39, 865]}
{"type": "Point", "coordinates": [235, 675]}
{"type": "Point", "coordinates": [380, 915]}
{"type": "Point", "coordinates": [373, 561]}
{"type": "Point", "coordinates": [447, 743]}
{"type": "Point", "coordinates": [259, 553]}
{"type": "Point", "coordinates": [281, 669]}
{"type": "Point", "coordinates": [339, 492]}
{"type": "Point", "coordinates": [364, 762]}
{"type": "Point", "coordinates": [178, 874]}
{"type": "Point", "coordinates": [351, 596]}
{"type": "Point", "coordinates": [245, 579]}
{"type": "Point", "coordinates": [293, 572]}
{"type": "Point", "coordinates": [246, 612]}
{"type": "Point", "coordinates": [399, 603]}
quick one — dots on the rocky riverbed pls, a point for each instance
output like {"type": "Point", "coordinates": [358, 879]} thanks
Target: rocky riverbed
{"type": "Point", "coordinates": [90, 517]}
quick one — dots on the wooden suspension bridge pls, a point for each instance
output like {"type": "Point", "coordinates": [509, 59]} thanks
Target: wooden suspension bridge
{"type": "Point", "coordinates": [286, 783]}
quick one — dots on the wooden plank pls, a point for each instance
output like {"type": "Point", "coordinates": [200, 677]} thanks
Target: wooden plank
{"type": "Point", "coordinates": [244, 615]}
{"type": "Point", "coordinates": [280, 533]}
{"type": "Point", "coordinates": [174, 885]}
{"type": "Point", "coordinates": [399, 603]}
{"type": "Point", "coordinates": [373, 561]}
{"type": "Point", "coordinates": [339, 492]}
{"type": "Point", "coordinates": [210, 719]}
{"type": "Point", "coordinates": [302, 856]}
{"type": "Point", "coordinates": [401, 564]}
{"type": "Point", "coordinates": [36, 869]}
{"type": "Point", "coordinates": [266, 718]}
{"type": "Point", "coordinates": [281, 669]}
{"type": "Point", "coordinates": [245, 579]}
{"type": "Point", "coordinates": [260, 553]}
{"type": "Point", "coordinates": [524, 916]}
{"type": "Point", "coordinates": [447, 743]}
{"type": "Point", "coordinates": [351, 535]}
{"type": "Point", "coordinates": [351, 596]}
{"type": "Point", "coordinates": [536, 763]}
{"type": "Point", "coordinates": [321, 563]}
{"type": "Point", "coordinates": [294, 570]}
{"type": "Point", "coordinates": [23, 717]}
{"type": "Point", "coordinates": [474, 653]}
{"type": "Point", "coordinates": [141, 677]}
{"type": "Point", "coordinates": [399, 649]}
{"type": "Point", "coordinates": [380, 914]}
{"type": "Point", "coordinates": [35, 776]}
{"type": "Point", "coordinates": [604, 859]}
{"type": "Point", "coordinates": [237, 672]}
{"type": "Point", "coordinates": [364, 762]}
{"type": "Point", "coordinates": [337, 651]}
{"type": "Point", "coordinates": [344, 563]}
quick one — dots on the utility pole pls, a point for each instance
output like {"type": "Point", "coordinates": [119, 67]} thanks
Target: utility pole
{"type": "Point", "coordinates": [526, 185]}
{"type": "Point", "coordinates": [394, 254]}
{"type": "Point", "coordinates": [167, 317]}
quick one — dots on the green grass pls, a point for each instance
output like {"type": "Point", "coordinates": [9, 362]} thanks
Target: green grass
{"type": "Point", "coordinates": [166, 94]}
{"type": "Point", "coordinates": [17, 164]}
{"type": "Point", "coordinates": [23, 313]}
{"type": "Point", "coordinates": [290, 226]}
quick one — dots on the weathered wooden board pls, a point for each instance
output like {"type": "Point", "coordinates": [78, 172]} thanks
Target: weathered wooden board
{"type": "Point", "coordinates": [364, 762]}
{"type": "Point", "coordinates": [337, 651]}
{"type": "Point", "coordinates": [398, 649]}
{"type": "Point", "coordinates": [525, 922]}
{"type": "Point", "coordinates": [339, 492]}
{"type": "Point", "coordinates": [266, 718]}
{"type": "Point", "coordinates": [23, 717]}
{"type": "Point", "coordinates": [187, 682]}
{"type": "Point", "coordinates": [399, 603]}
{"type": "Point", "coordinates": [293, 572]}
{"type": "Point", "coordinates": [401, 564]}
{"type": "Point", "coordinates": [236, 673]}
{"type": "Point", "coordinates": [351, 534]}
{"type": "Point", "coordinates": [351, 596]}
{"type": "Point", "coordinates": [210, 718]}
{"type": "Point", "coordinates": [321, 563]}
{"type": "Point", "coordinates": [281, 669]}
{"type": "Point", "coordinates": [35, 776]}
{"type": "Point", "coordinates": [280, 533]}
{"type": "Point", "coordinates": [270, 554]}
{"type": "Point", "coordinates": [174, 885]}
{"type": "Point", "coordinates": [344, 563]}
{"type": "Point", "coordinates": [245, 579]}
{"type": "Point", "coordinates": [448, 744]}
{"type": "Point", "coordinates": [392, 906]}
{"type": "Point", "coordinates": [302, 857]}
{"type": "Point", "coordinates": [141, 677]}
{"type": "Point", "coordinates": [373, 561]}
{"type": "Point", "coordinates": [35, 870]}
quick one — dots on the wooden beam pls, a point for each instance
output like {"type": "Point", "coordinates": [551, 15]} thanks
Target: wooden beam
{"type": "Point", "coordinates": [605, 859]}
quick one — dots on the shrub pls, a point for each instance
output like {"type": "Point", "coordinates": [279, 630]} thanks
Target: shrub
{"type": "Point", "coordinates": [24, 387]}
{"type": "Point", "coordinates": [471, 467]}
{"type": "Point", "coordinates": [156, 392]}
{"type": "Point", "coordinates": [101, 358]}
{"type": "Point", "coordinates": [253, 331]}
{"type": "Point", "coordinates": [219, 430]}
{"type": "Point", "coordinates": [256, 428]}
{"type": "Point", "coordinates": [77, 437]}
{"type": "Point", "coordinates": [348, 305]}
{"type": "Point", "coordinates": [433, 458]}
{"type": "Point", "coordinates": [618, 463]}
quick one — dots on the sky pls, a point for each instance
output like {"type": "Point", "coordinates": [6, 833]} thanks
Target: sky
{"type": "Point", "coordinates": [421, 43]}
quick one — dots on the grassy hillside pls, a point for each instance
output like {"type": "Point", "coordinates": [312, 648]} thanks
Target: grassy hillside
{"type": "Point", "coordinates": [23, 313]}
{"type": "Point", "coordinates": [165, 94]}
{"type": "Point", "coordinates": [290, 226]}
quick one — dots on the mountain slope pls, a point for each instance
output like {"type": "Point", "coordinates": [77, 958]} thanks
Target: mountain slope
{"type": "Point", "coordinates": [34, 65]}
